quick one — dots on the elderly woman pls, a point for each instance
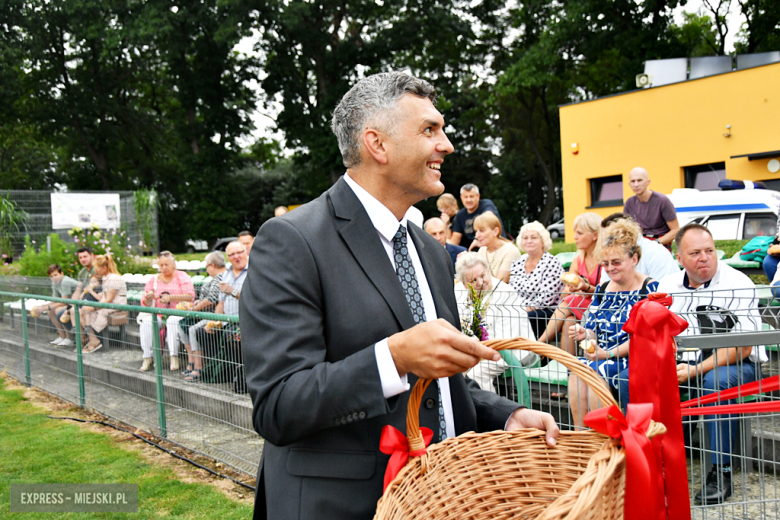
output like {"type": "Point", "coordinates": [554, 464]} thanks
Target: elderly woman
{"type": "Point", "coordinates": [114, 291]}
{"type": "Point", "coordinates": [607, 352]}
{"type": "Point", "coordinates": [588, 271]}
{"type": "Point", "coordinates": [499, 252]}
{"type": "Point", "coordinates": [502, 319]}
{"type": "Point", "coordinates": [170, 286]}
{"type": "Point", "coordinates": [536, 276]}
{"type": "Point", "coordinates": [209, 296]}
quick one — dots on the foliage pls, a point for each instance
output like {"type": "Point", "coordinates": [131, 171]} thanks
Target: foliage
{"type": "Point", "coordinates": [146, 205]}
{"type": "Point", "coordinates": [154, 95]}
{"type": "Point", "coordinates": [35, 260]}
{"type": "Point", "coordinates": [12, 220]}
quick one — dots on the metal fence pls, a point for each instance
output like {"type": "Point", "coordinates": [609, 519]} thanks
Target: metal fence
{"type": "Point", "coordinates": [37, 203]}
{"type": "Point", "coordinates": [212, 415]}
{"type": "Point", "coordinates": [205, 409]}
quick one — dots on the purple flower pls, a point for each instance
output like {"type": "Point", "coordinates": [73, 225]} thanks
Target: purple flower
{"type": "Point", "coordinates": [5, 256]}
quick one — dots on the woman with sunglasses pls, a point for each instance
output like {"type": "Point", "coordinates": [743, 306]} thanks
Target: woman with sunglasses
{"type": "Point", "coordinates": [170, 286]}
{"type": "Point", "coordinates": [607, 351]}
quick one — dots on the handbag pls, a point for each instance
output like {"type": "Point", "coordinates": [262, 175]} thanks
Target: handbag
{"type": "Point", "coordinates": [757, 249]}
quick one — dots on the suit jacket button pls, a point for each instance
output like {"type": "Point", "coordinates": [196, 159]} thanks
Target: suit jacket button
{"type": "Point", "coordinates": [429, 403]}
{"type": "Point", "coordinates": [355, 416]}
{"type": "Point", "coordinates": [362, 415]}
{"type": "Point", "coordinates": [349, 418]}
{"type": "Point", "coordinates": [338, 421]}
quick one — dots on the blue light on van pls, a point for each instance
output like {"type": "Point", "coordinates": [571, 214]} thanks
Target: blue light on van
{"type": "Point", "coordinates": [722, 207]}
{"type": "Point", "coordinates": [731, 184]}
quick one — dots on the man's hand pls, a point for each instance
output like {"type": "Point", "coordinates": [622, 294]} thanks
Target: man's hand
{"type": "Point", "coordinates": [527, 418]}
{"type": "Point", "coordinates": [686, 372]}
{"type": "Point", "coordinates": [225, 288]}
{"type": "Point", "coordinates": [436, 349]}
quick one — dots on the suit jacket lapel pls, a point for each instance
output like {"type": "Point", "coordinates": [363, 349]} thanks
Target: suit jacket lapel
{"type": "Point", "coordinates": [432, 274]}
{"type": "Point", "coordinates": [363, 241]}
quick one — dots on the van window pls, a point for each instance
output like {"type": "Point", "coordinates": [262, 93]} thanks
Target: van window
{"type": "Point", "coordinates": [759, 225]}
{"type": "Point", "coordinates": [725, 227]}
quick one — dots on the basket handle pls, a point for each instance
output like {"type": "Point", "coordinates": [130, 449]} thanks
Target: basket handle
{"type": "Point", "coordinates": [577, 368]}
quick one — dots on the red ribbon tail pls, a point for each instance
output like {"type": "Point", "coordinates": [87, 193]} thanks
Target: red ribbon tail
{"type": "Point", "coordinates": [769, 384]}
{"type": "Point", "coordinates": [758, 407]}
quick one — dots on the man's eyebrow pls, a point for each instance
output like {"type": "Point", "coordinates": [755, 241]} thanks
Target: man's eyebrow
{"type": "Point", "coordinates": [431, 122]}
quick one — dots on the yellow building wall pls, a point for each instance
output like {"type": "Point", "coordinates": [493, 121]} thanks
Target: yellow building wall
{"type": "Point", "coordinates": [664, 129]}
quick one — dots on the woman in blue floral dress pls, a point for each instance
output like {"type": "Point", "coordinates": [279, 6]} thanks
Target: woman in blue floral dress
{"type": "Point", "coordinates": [619, 254]}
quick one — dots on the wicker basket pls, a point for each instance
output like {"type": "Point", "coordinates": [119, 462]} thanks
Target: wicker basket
{"type": "Point", "coordinates": [498, 475]}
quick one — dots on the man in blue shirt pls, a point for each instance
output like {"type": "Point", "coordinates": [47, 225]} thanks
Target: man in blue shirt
{"type": "Point", "coordinates": [438, 230]}
{"type": "Point", "coordinates": [463, 224]}
{"type": "Point", "coordinates": [229, 294]}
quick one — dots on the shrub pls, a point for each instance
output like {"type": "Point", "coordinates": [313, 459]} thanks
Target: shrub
{"type": "Point", "coordinates": [35, 261]}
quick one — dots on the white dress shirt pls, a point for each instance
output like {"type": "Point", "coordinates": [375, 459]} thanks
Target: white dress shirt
{"type": "Point", "coordinates": [387, 226]}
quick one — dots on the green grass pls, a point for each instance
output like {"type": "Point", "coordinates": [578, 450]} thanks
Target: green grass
{"type": "Point", "coordinates": [35, 449]}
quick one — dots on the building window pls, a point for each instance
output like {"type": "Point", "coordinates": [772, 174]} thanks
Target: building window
{"type": "Point", "coordinates": [606, 191]}
{"type": "Point", "coordinates": [705, 177]}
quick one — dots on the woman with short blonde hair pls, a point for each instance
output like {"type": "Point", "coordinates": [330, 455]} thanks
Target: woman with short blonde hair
{"type": "Point", "coordinates": [497, 251]}
{"type": "Point", "coordinates": [536, 276]}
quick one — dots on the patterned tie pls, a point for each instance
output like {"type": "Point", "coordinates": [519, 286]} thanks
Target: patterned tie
{"type": "Point", "coordinates": [408, 278]}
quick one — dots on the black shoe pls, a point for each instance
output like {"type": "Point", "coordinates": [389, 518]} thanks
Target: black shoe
{"type": "Point", "coordinates": [718, 487]}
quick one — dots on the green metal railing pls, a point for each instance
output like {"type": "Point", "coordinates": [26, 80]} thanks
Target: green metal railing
{"type": "Point", "coordinates": [156, 350]}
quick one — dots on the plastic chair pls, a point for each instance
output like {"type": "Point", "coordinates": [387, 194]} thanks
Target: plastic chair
{"type": "Point", "coordinates": [566, 258]}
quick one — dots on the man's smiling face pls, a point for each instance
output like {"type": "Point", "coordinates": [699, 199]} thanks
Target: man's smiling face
{"type": "Point", "coordinates": [417, 147]}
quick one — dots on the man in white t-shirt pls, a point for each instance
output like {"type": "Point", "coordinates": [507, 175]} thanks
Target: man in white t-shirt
{"type": "Point", "coordinates": [713, 298]}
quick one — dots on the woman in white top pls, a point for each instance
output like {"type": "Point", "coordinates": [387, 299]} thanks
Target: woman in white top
{"type": "Point", "coordinates": [536, 276]}
{"type": "Point", "coordinates": [497, 251]}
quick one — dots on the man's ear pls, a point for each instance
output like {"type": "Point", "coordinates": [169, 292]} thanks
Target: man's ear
{"type": "Point", "coordinates": [375, 144]}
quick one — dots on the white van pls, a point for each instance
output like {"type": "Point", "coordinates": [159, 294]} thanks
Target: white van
{"type": "Point", "coordinates": [741, 212]}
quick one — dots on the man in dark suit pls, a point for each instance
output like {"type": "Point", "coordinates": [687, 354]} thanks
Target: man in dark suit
{"type": "Point", "coordinates": [344, 307]}
{"type": "Point", "coordinates": [438, 230]}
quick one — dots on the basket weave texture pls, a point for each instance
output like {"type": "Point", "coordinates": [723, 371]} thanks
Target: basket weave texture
{"type": "Point", "coordinates": [500, 475]}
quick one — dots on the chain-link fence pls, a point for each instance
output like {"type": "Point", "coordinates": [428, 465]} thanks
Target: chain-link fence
{"type": "Point", "coordinates": [37, 204]}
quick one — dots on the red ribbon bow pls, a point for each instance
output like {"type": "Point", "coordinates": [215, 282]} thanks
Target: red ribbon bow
{"type": "Point", "coordinates": [394, 443]}
{"type": "Point", "coordinates": [641, 467]}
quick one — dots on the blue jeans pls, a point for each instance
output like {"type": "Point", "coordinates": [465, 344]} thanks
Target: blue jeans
{"type": "Point", "coordinates": [770, 266]}
{"type": "Point", "coordinates": [721, 433]}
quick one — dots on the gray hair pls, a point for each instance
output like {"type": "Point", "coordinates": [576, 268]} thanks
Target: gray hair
{"type": "Point", "coordinates": [540, 230]}
{"type": "Point", "coordinates": [215, 258]}
{"type": "Point", "coordinates": [470, 187]}
{"type": "Point", "coordinates": [468, 261]}
{"type": "Point", "coordinates": [373, 100]}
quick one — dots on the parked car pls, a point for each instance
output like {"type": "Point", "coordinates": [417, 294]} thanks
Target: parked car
{"type": "Point", "coordinates": [222, 243]}
{"type": "Point", "coordinates": [194, 245]}
{"type": "Point", "coordinates": [730, 214]}
{"type": "Point", "coordinates": [557, 230]}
